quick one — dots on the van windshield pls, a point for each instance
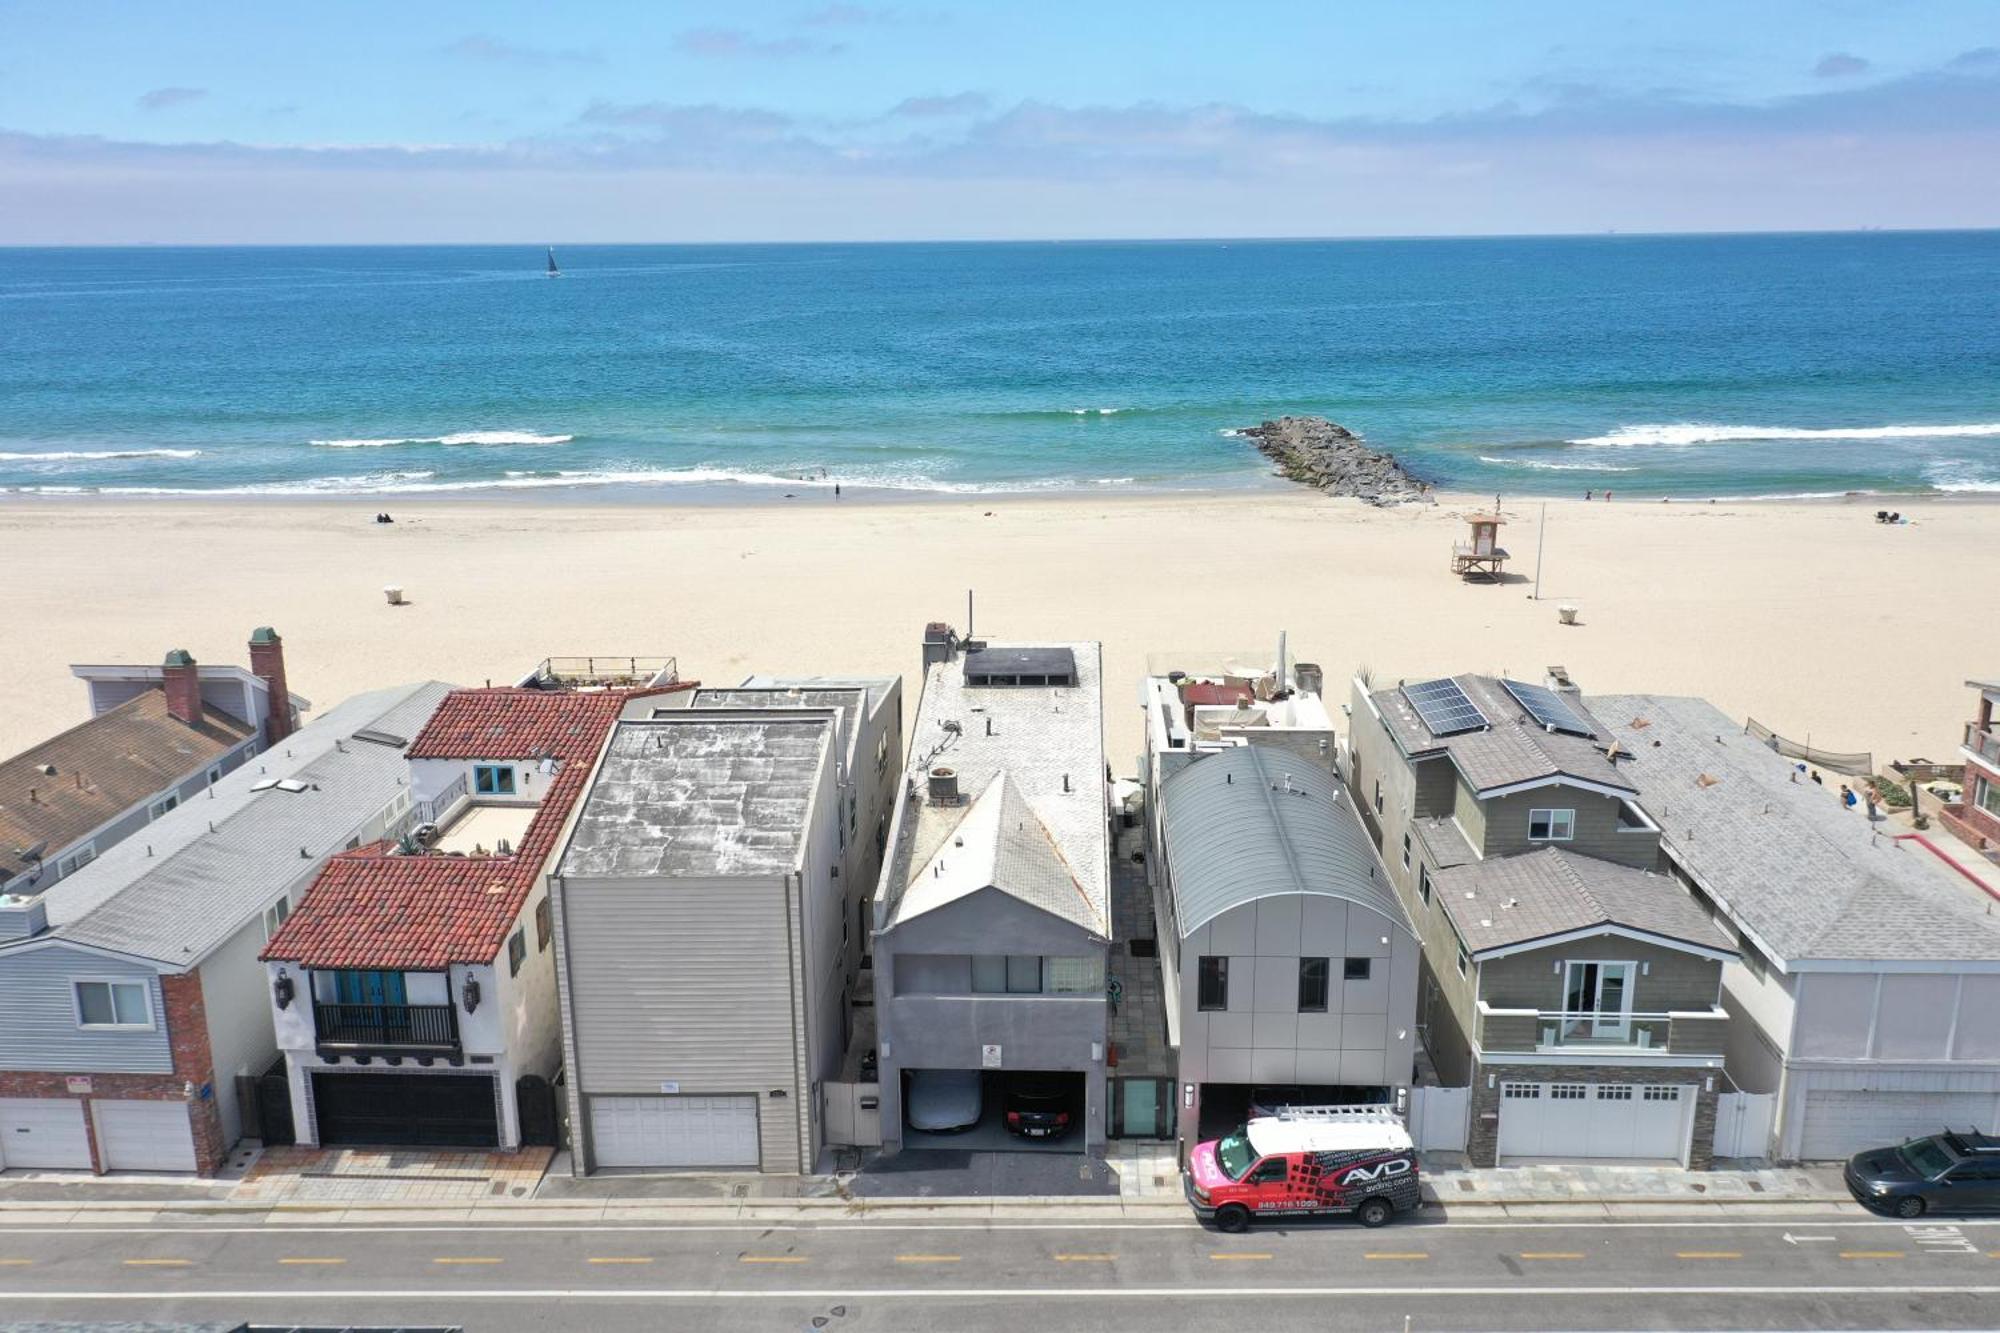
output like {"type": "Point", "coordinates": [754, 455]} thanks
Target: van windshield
{"type": "Point", "coordinates": [1234, 1155]}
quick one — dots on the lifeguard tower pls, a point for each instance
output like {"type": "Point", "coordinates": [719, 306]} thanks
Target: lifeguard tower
{"type": "Point", "coordinates": [1482, 554]}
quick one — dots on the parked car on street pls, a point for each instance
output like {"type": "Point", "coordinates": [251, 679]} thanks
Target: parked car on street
{"type": "Point", "coordinates": [1949, 1172]}
{"type": "Point", "coordinates": [944, 1101]}
{"type": "Point", "coordinates": [1040, 1107]}
{"type": "Point", "coordinates": [1307, 1160]}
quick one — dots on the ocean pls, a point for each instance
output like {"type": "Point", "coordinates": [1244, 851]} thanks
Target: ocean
{"type": "Point", "coordinates": [1779, 365]}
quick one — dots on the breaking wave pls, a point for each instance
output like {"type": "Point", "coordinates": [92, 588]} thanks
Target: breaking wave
{"type": "Point", "coordinates": [1541, 466]}
{"type": "Point", "coordinates": [96, 455]}
{"type": "Point", "coordinates": [1689, 433]}
{"type": "Point", "coordinates": [462, 437]}
{"type": "Point", "coordinates": [426, 483]}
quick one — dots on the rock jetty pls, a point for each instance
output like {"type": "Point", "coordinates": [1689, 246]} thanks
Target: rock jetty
{"type": "Point", "coordinates": [1333, 459]}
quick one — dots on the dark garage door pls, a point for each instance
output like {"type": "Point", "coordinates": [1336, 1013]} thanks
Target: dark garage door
{"type": "Point", "coordinates": [406, 1110]}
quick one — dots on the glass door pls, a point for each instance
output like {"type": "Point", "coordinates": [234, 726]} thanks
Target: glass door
{"type": "Point", "coordinates": [1597, 1002]}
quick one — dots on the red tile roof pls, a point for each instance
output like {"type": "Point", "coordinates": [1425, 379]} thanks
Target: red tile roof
{"type": "Point", "coordinates": [369, 909]}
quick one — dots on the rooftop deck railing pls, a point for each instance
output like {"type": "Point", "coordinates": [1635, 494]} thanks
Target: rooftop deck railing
{"type": "Point", "coordinates": [434, 810]}
{"type": "Point", "coordinates": [576, 672]}
{"type": "Point", "coordinates": [1560, 1030]}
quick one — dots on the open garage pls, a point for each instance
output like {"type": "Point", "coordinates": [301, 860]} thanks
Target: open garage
{"type": "Point", "coordinates": [967, 1110]}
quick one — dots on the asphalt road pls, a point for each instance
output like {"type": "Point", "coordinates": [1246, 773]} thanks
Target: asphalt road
{"type": "Point", "coordinates": [1017, 1278]}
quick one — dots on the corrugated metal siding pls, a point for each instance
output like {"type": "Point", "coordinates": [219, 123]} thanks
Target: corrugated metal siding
{"type": "Point", "coordinates": [38, 1027]}
{"type": "Point", "coordinates": [689, 982]}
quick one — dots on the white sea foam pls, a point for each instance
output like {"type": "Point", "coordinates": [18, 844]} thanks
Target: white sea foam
{"type": "Point", "coordinates": [96, 455]}
{"type": "Point", "coordinates": [425, 483]}
{"type": "Point", "coordinates": [1541, 466]}
{"type": "Point", "coordinates": [1093, 411]}
{"type": "Point", "coordinates": [1692, 433]}
{"type": "Point", "coordinates": [462, 437]}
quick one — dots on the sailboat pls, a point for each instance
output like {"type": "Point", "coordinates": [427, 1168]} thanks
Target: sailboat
{"type": "Point", "coordinates": [554, 272]}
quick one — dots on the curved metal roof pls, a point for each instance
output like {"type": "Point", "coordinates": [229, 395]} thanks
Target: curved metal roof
{"type": "Point", "coordinates": [1252, 823]}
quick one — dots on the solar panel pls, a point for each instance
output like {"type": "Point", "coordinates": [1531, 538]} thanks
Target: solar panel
{"type": "Point", "coordinates": [1547, 707]}
{"type": "Point", "coordinates": [1444, 707]}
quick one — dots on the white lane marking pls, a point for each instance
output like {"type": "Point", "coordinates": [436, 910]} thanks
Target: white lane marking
{"type": "Point", "coordinates": [981, 1293]}
{"type": "Point", "coordinates": [860, 1225]}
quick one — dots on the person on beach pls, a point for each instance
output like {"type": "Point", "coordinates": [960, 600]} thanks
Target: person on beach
{"type": "Point", "coordinates": [836, 490]}
{"type": "Point", "coordinates": [1874, 799]}
{"type": "Point", "coordinates": [1847, 796]}
{"type": "Point", "coordinates": [1590, 494]}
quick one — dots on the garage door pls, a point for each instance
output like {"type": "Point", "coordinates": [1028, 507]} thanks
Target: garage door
{"type": "Point", "coordinates": [406, 1110]}
{"type": "Point", "coordinates": [1595, 1120]}
{"type": "Point", "coordinates": [144, 1136]}
{"type": "Point", "coordinates": [674, 1131]}
{"type": "Point", "coordinates": [1839, 1124]}
{"type": "Point", "coordinates": [43, 1131]}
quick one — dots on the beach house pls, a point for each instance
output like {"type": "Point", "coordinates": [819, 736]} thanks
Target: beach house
{"type": "Point", "coordinates": [1975, 817]}
{"type": "Point", "coordinates": [1868, 968]}
{"type": "Point", "coordinates": [1290, 966]}
{"type": "Point", "coordinates": [703, 941]}
{"type": "Point", "coordinates": [132, 1004]}
{"type": "Point", "coordinates": [1567, 983]}
{"type": "Point", "coordinates": [412, 990]}
{"type": "Point", "coordinates": [156, 736]}
{"type": "Point", "coordinates": [992, 917]}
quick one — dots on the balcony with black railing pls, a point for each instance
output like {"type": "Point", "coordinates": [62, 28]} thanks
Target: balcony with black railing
{"type": "Point", "coordinates": [394, 1029]}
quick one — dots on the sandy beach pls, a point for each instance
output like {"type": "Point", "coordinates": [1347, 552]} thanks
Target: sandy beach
{"type": "Point", "coordinates": [1810, 617]}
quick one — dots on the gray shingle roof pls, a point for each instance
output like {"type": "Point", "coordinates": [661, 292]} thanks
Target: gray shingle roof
{"type": "Point", "coordinates": [1251, 823]}
{"type": "Point", "coordinates": [1807, 877]}
{"type": "Point", "coordinates": [1513, 749]}
{"type": "Point", "coordinates": [1042, 737]}
{"type": "Point", "coordinates": [686, 795]}
{"type": "Point", "coordinates": [1537, 895]}
{"type": "Point", "coordinates": [1000, 842]}
{"type": "Point", "coordinates": [179, 887]}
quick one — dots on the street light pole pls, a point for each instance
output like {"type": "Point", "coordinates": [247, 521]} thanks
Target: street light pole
{"type": "Point", "coordinates": [1540, 532]}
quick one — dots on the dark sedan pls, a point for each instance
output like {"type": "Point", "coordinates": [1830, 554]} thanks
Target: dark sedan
{"type": "Point", "coordinates": [1947, 1172]}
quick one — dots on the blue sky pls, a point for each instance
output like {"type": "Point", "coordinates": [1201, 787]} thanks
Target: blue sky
{"type": "Point", "coordinates": [261, 122]}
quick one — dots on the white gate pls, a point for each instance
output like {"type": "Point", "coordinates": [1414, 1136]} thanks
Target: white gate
{"type": "Point", "coordinates": [1439, 1117]}
{"type": "Point", "coordinates": [1743, 1123]}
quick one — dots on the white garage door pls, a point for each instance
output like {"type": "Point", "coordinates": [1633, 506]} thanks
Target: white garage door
{"type": "Point", "coordinates": [1839, 1124]}
{"type": "Point", "coordinates": [43, 1131]}
{"type": "Point", "coordinates": [1595, 1120]}
{"type": "Point", "coordinates": [674, 1131]}
{"type": "Point", "coordinates": [145, 1136]}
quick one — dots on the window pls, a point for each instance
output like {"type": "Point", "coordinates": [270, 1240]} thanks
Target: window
{"type": "Point", "coordinates": [517, 950]}
{"type": "Point", "coordinates": [77, 859]}
{"type": "Point", "coordinates": [1424, 884]}
{"type": "Point", "coordinates": [274, 916]}
{"type": "Point", "coordinates": [1668, 1093]}
{"type": "Point", "coordinates": [1406, 851]}
{"type": "Point", "coordinates": [1551, 825]}
{"type": "Point", "coordinates": [1024, 974]}
{"type": "Point", "coordinates": [989, 974]}
{"type": "Point", "coordinates": [215, 775]}
{"type": "Point", "coordinates": [1568, 1092]}
{"type": "Point", "coordinates": [1378, 796]}
{"type": "Point", "coordinates": [1988, 796]}
{"type": "Point", "coordinates": [1521, 1092]}
{"type": "Point", "coordinates": [113, 1004]}
{"type": "Point", "coordinates": [545, 924]}
{"type": "Point", "coordinates": [1269, 1170]}
{"type": "Point", "coordinates": [1212, 991]}
{"type": "Point", "coordinates": [359, 986]}
{"type": "Point", "coordinates": [1312, 985]}
{"type": "Point", "coordinates": [1075, 976]}
{"type": "Point", "coordinates": [1614, 1092]}
{"type": "Point", "coordinates": [1462, 959]}
{"type": "Point", "coordinates": [161, 806]}
{"type": "Point", "coordinates": [493, 779]}
{"type": "Point", "coordinates": [1357, 970]}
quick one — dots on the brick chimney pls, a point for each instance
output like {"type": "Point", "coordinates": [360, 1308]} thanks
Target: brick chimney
{"type": "Point", "coordinates": [183, 686]}
{"type": "Point", "coordinates": [267, 663]}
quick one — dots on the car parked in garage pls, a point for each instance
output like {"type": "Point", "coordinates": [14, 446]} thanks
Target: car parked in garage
{"type": "Point", "coordinates": [1040, 1106]}
{"type": "Point", "coordinates": [944, 1101]}
{"type": "Point", "coordinates": [1947, 1172]}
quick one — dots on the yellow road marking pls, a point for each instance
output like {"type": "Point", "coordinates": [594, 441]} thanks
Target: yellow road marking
{"type": "Point", "coordinates": [1708, 1254]}
{"type": "Point", "coordinates": [158, 1263]}
{"type": "Point", "coordinates": [312, 1261]}
{"type": "Point", "coordinates": [928, 1258]}
{"type": "Point", "coordinates": [1552, 1254]}
{"type": "Point", "coordinates": [769, 1259]}
{"type": "Point", "coordinates": [15, 1263]}
{"type": "Point", "coordinates": [1396, 1254]}
{"type": "Point", "coordinates": [1085, 1258]}
{"type": "Point", "coordinates": [622, 1259]}
{"type": "Point", "coordinates": [1871, 1254]}
{"type": "Point", "coordinates": [465, 1260]}
{"type": "Point", "coordinates": [1224, 1256]}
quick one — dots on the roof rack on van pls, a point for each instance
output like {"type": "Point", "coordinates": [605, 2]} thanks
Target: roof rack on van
{"type": "Point", "coordinates": [1375, 1114]}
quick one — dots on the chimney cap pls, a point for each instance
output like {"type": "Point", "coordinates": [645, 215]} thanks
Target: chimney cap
{"type": "Point", "coordinates": [179, 657]}
{"type": "Point", "coordinates": [264, 634]}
